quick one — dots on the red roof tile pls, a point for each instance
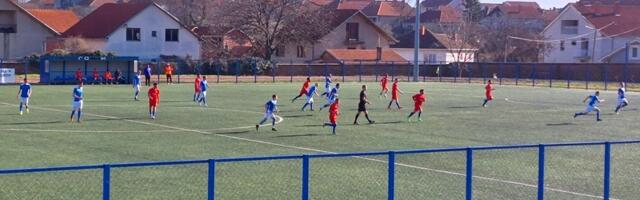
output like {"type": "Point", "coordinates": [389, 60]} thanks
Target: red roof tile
{"type": "Point", "coordinates": [446, 14]}
{"type": "Point", "coordinates": [435, 3]}
{"type": "Point", "coordinates": [58, 20]}
{"type": "Point", "coordinates": [352, 4]}
{"type": "Point", "coordinates": [389, 8]}
{"type": "Point", "coordinates": [388, 55]}
{"type": "Point", "coordinates": [521, 10]}
{"type": "Point", "coordinates": [623, 19]}
{"type": "Point", "coordinates": [105, 20]}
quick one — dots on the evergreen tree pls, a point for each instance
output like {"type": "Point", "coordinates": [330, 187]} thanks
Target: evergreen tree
{"type": "Point", "coordinates": [473, 10]}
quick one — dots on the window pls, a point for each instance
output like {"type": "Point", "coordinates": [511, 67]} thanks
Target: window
{"type": "Point", "coordinates": [635, 52]}
{"type": "Point", "coordinates": [280, 51]}
{"type": "Point", "coordinates": [561, 45]}
{"type": "Point", "coordinates": [171, 35]}
{"type": "Point", "coordinates": [569, 27]}
{"type": "Point", "coordinates": [154, 34]}
{"type": "Point", "coordinates": [133, 34]}
{"type": "Point", "coordinates": [584, 44]}
{"type": "Point", "coordinates": [300, 52]}
{"type": "Point", "coordinates": [352, 31]}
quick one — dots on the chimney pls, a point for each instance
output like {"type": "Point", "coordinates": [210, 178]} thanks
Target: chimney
{"type": "Point", "coordinates": [378, 53]}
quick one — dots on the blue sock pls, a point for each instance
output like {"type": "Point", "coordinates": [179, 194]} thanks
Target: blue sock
{"type": "Point", "coordinates": [305, 106]}
{"type": "Point", "coordinates": [73, 112]}
{"type": "Point", "coordinates": [79, 114]}
{"type": "Point", "coordinates": [137, 94]}
{"type": "Point", "coordinates": [419, 114]}
{"type": "Point", "coordinates": [273, 122]}
{"type": "Point", "coordinates": [485, 102]}
{"type": "Point", "coordinates": [263, 120]}
{"type": "Point", "coordinates": [598, 115]}
{"type": "Point", "coordinates": [334, 128]}
{"type": "Point", "coordinates": [204, 100]}
{"type": "Point", "coordinates": [20, 107]}
{"type": "Point", "coordinates": [311, 106]}
{"type": "Point", "coordinates": [398, 104]}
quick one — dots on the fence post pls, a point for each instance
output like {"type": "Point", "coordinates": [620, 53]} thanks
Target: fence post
{"type": "Point", "coordinates": [254, 67]}
{"type": "Point", "coordinates": [342, 70]}
{"type": "Point", "coordinates": [425, 71]}
{"type": "Point", "coordinates": [218, 72]}
{"type": "Point", "coordinates": [106, 182]}
{"type": "Point", "coordinates": [237, 70]}
{"type": "Point", "coordinates": [484, 73]}
{"type": "Point", "coordinates": [469, 175]}
{"type": "Point", "coordinates": [393, 70]}
{"type": "Point", "coordinates": [587, 77]}
{"type": "Point", "coordinates": [439, 71]}
{"type": "Point", "coordinates": [568, 79]}
{"type": "Point", "coordinates": [551, 77]}
{"type": "Point", "coordinates": [392, 175]}
{"type": "Point", "coordinates": [326, 69]}
{"type": "Point", "coordinates": [380, 68]}
{"type": "Point", "coordinates": [457, 69]}
{"type": "Point", "coordinates": [308, 69]}
{"type": "Point", "coordinates": [501, 72]}
{"type": "Point", "coordinates": [211, 189]}
{"type": "Point", "coordinates": [541, 161]}
{"type": "Point", "coordinates": [273, 71]}
{"type": "Point", "coordinates": [290, 72]}
{"type": "Point", "coordinates": [469, 73]}
{"type": "Point", "coordinates": [605, 77]}
{"type": "Point", "coordinates": [534, 76]}
{"type": "Point", "coordinates": [305, 177]}
{"type": "Point", "coordinates": [517, 73]}
{"type": "Point", "coordinates": [607, 170]}
{"type": "Point", "coordinates": [409, 65]}
{"type": "Point", "coordinates": [360, 72]}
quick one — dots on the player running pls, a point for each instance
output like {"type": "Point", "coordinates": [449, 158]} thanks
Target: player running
{"type": "Point", "coordinates": [204, 86]}
{"type": "Point", "coordinates": [594, 100]}
{"type": "Point", "coordinates": [384, 82]}
{"type": "Point", "coordinates": [362, 106]}
{"type": "Point", "coordinates": [270, 110]}
{"type": "Point", "coordinates": [332, 96]}
{"type": "Point", "coordinates": [78, 99]}
{"type": "Point", "coordinates": [24, 93]}
{"type": "Point", "coordinates": [418, 100]}
{"type": "Point", "coordinates": [136, 85]}
{"type": "Point", "coordinates": [327, 85]}
{"type": "Point", "coordinates": [488, 93]}
{"type": "Point", "coordinates": [313, 91]}
{"type": "Point", "coordinates": [154, 99]}
{"type": "Point", "coordinates": [196, 85]}
{"type": "Point", "coordinates": [395, 94]}
{"type": "Point", "coordinates": [622, 98]}
{"type": "Point", "coordinates": [304, 90]}
{"type": "Point", "coordinates": [334, 112]}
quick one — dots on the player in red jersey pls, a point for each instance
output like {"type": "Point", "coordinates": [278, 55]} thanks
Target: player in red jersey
{"type": "Point", "coordinates": [196, 85]}
{"type": "Point", "coordinates": [96, 76]}
{"type": "Point", "coordinates": [303, 90]}
{"type": "Point", "coordinates": [154, 99]}
{"type": "Point", "coordinates": [334, 112]}
{"type": "Point", "coordinates": [418, 100]}
{"type": "Point", "coordinates": [395, 95]}
{"type": "Point", "coordinates": [488, 93]}
{"type": "Point", "coordinates": [79, 75]}
{"type": "Point", "coordinates": [383, 84]}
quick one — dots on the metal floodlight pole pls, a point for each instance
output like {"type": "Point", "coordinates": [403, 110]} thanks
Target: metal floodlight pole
{"type": "Point", "coordinates": [416, 44]}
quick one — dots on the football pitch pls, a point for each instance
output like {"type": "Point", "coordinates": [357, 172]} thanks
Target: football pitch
{"type": "Point", "coordinates": [117, 129]}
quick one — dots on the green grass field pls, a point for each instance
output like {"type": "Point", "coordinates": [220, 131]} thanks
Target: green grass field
{"type": "Point", "coordinates": [116, 129]}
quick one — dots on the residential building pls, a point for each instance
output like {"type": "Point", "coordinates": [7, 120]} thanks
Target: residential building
{"type": "Point", "coordinates": [351, 29]}
{"type": "Point", "coordinates": [361, 56]}
{"type": "Point", "coordinates": [435, 48]}
{"type": "Point", "coordinates": [63, 4]}
{"type": "Point", "coordinates": [145, 30]}
{"type": "Point", "coordinates": [25, 33]}
{"type": "Point", "coordinates": [389, 12]}
{"type": "Point", "coordinates": [594, 33]}
{"type": "Point", "coordinates": [437, 4]}
{"type": "Point", "coordinates": [528, 14]}
{"type": "Point", "coordinates": [444, 19]}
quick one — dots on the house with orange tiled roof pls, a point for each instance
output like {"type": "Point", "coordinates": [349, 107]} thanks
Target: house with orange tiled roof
{"type": "Point", "coordinates": [145, 30]}
{"type": "Point", "coordinates": [528, 14]}
{"type": "Point", "coordinates": [350, 30]}
{"type": "Point", "coordinates": [594, 33]}
{"type": "Point", "coordinates": [26, 32]}
{"type": "Point", "coordinates": [389, 13]}
{"type": "Point", "coordinates": [435, 48]}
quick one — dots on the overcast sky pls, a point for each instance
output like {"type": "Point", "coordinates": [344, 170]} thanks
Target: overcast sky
{"type": "Point", "coordinates": [543, 3]}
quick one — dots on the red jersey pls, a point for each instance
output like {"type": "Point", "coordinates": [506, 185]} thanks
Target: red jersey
{"type": "Point", "coordinates": [95, 75]}
{"type": "Point", "coordinates": [489, 91]}
{"type": "Point", "coordinates": [305, 88]}
{"type": "Point", "coordinates": [394, 89]}
{"type": "Point", "coordinates": [168, 70]}
{"type": "Point", "coordinates": [107, 75]}
{"type": "Point", "coordinates": [197, 84]}
{"type": "Point", "coordinates": [78, 74]}
{"type": "Point", "coordinates": [334, 111]}
{"type": "Point", "coordinates": [384, 81]}
{"type": "Point", "coordinates": [154, 96]}
{"type": "Point", "coordinates": [418, 100]}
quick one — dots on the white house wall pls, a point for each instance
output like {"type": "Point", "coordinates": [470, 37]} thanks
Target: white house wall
{"type": "Point", "coordinates": [442, 56]}
{"type": "Point", "coordinates": [153, 19]}
{"type": "Point", "coordinates": [30, 36]}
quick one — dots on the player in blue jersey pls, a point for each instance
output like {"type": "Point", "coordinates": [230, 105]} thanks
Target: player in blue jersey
{"type": "Point", "coordinates": [313, 91]}
{"type": "Point", "coordinates": [592, 105]}
{"type": "Point", "coordinates": [78, 98]}
{"type": "Point", "coordinates": [332, 96]}
{"type": "Point", "coordinates": [204, 86]}
{"type": "Point", "coordinates": [270, 110]}
{"type": "Point", "coordinates": [622, 98]}
{"type": "Point", "coordinates": [327, 85]}
{"type": "Point", "coordinates": [147, 75]}
{"type": "Point", "coordinates": [24, 93]}
{"type": "Point", "coordinates": [136, 85]}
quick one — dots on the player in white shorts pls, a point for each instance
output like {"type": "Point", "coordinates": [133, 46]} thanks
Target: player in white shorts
{"type": "Point", "coordinates": [136, 85]}
{"type": "Point", "coordinates": [270, 110]}
{"type": "Point", "coordinates": [622, 98]}
{"type": "Point", "coordinates": [332, 96]}
{"type": "Point", "coordinates": [24, 94]}
{"type": "Point", "coordinates": [594, 100]}
{"type": "Point", "coordinates": [76, 105]}
{"type": "Point", "coordinates": [313, 91]}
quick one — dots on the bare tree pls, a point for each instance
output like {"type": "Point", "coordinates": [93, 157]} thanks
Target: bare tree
{"type": "Point", "coordinates": [76, 45]}
{"type": "Point", "coordinates": [273, 23]}
{"type": "Point", "coordinates": [498, 43]}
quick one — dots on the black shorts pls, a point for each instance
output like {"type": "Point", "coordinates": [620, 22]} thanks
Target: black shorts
{"type": "Point", "coordinates": [362, 107]}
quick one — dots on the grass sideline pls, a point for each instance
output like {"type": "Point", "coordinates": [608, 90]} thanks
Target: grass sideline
{"type": "Point", "coordinates": [116, 129]}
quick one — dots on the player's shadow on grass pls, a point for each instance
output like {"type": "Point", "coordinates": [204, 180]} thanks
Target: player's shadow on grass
{"type": "Point", "coordinates": [232, 132]}
{"type": "Point", "coordinates": [33, 123]}
{"type": "Point", "coordinates": [562, 124]}
{"type": "Point", "coordinates": [393, 122]}
{"type": "Point", "coordinates": [299, 135]}
{"type": "Point", "coordinates": [298, 116]}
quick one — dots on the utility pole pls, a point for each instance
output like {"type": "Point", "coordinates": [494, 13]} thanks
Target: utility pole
{"type": "Point", "coordinates": [416, 45]}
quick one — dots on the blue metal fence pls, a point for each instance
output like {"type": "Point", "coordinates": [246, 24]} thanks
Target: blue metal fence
{"type": "Point", "coordinates": [305, 159]}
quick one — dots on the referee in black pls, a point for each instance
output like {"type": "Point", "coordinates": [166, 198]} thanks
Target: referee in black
{"type": "Point", "coordinates": [362, 106]}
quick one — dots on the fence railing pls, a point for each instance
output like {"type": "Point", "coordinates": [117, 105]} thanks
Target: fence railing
{"type": "Point", "coordinates": [391, 167]}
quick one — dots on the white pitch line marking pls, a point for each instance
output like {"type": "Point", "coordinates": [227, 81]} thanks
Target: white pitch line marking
{"type": "Point", "coordinates": [329, 152]}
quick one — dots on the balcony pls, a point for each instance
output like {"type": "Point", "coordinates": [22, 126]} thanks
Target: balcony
{"type": "Point", "coordinates": [8, 28]}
